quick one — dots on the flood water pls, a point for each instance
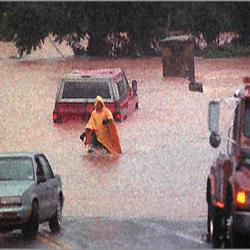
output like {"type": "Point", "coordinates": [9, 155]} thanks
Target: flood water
{"type": "Point", "coordinates": [166, 155]}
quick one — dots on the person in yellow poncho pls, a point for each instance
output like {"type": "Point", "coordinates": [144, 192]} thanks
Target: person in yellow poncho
{"type": "Point", "coordinates": [101, 130]}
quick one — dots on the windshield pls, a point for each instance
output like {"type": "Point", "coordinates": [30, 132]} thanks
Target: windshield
{"type": "Point", "coordinates": [247, 119]}
{"type": "Point", "coordinates": [86, 90]}
{"type": "Point", "coordinates": [16, 168]}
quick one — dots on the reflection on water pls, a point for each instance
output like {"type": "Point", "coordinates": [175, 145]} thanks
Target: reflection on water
{"type": "Point", "coordinates": [165, 159]}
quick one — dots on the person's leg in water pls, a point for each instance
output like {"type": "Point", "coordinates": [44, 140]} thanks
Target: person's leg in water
{"type": "Point", "coordinates": [93, 143]}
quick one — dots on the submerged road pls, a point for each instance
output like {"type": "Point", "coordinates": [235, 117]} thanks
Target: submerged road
{"type": "Point", "coordinates": [160, 174]}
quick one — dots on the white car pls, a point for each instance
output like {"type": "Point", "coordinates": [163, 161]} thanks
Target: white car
{"type": "Point", "coordinates": [30, 193]}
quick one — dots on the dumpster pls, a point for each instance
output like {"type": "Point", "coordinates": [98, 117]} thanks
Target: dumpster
{"type": "Point", "coordinates": [178, 57]}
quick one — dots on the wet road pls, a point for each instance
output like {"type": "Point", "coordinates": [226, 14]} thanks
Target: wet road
{"type": "Point", "coordinates": [99, 232]}
{"type": "Point", "coordinates": [162, 172]}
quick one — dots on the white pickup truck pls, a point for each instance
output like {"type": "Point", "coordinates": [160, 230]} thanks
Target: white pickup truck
{"type": "Point", "coordinates": [30, 193]}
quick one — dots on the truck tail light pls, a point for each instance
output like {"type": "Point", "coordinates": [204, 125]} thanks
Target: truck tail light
{"type": "Point", "coordinates": [55, 116]}
{"type": "Point", "coordinates": [241, 197]}
{"type": "Point", "coordinates": [219, 204]}
{"type": "Point", "coordinates": [118, 116]}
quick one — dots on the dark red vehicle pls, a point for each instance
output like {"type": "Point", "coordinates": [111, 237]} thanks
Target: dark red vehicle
{"type": "Point", "coordinates": [228, 183]}
{"type": "Point", "coordinates": [78, 90]}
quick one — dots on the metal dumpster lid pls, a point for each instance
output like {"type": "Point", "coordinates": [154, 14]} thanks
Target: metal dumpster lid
{"type": "Point", "coordinates": [177, 38]}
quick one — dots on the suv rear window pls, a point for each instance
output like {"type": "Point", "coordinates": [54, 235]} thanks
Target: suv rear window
{"type": "Point", "coordinates": [247, 119]}
{"type": "Point", "coordinates": [86, 90]}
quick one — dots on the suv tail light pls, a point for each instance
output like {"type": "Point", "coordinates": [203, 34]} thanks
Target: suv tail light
{"type": "Point", "coordinates": [241, 198]}
{"type": "Point", "coordinates": [55, 116]}
{"type": "Point", "coordinates": [118, 117]}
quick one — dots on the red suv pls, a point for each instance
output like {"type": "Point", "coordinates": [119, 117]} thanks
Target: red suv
{"type": "Point", "coordinates": [77, 92]}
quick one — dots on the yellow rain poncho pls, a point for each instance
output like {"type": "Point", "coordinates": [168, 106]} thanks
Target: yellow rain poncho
{"type": "Point", "coordinates": [107, 134]}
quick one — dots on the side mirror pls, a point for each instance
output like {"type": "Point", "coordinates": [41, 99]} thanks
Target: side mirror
{"type": "Point", "coordinates": [134, 85]}
{"type": "Point", "coordinates": [213, 123]}
{"type": "Point", "coordinates": [213, 116]}
{"type": "Point", "coordinates": [214, 140]}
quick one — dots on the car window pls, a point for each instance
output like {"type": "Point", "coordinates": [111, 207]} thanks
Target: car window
{"type": "Point", "coordinates": [16, 168]}
{"type": "Point", "coordinates": [121, 89]}
{"type": "Point", "coordinates": [247, 119]}
{"type": "Point", "coordinates": [46, 168]}
{"type": "Point", "coordinates": [39, 170]}
{"type": "Point", "coordinates": [126, 83]}
{"type": "Point", "coordinates": [236, 123]}
{"type": "Point", "coordinates": [86, 89]}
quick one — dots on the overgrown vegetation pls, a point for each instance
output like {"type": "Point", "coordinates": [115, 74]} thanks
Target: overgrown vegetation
{"type": "Point", "coordinates": [226, 50]}
{"type": "Point", "coordinates": [119, 29]}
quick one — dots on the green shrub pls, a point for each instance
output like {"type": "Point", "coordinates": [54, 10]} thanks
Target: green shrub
{"type": "Point", "coordinates": [226, 50]}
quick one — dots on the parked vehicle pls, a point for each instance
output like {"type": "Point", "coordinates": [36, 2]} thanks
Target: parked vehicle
{"type": "Point", "coordinates": [30, 193]}
{"type": "Point", "coordinates": [228, 183]}
{"type": "Point", "coordinates": [77, 92]}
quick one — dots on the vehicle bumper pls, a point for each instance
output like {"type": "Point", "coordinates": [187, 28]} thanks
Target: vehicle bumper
{"type": "Point", "coordinates": [241, 221]}
{"type": "Point", "coordinates": [66, 116]}
{"type": "Point", "coordinates": [13, 217]}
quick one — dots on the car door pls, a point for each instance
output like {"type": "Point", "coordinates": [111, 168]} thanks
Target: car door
{"type": "Point", "coordinates": [51, 187]}
{"type": "Point", "coordinates": [41, 190]}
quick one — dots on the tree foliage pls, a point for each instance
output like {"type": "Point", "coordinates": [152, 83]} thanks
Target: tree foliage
{"type": "Point", "coordinates": [119, 28]}
{"type": "Point", "coordinates": [23, 23]}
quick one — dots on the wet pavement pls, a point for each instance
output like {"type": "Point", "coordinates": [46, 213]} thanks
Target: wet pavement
{"type": "Point", "coordinates": [99, 232]}
{"type": "Point", "coordinates": [166, 155]}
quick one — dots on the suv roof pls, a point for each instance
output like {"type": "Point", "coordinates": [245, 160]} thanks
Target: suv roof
{"type": "Point", "coordinates": [113, 73]}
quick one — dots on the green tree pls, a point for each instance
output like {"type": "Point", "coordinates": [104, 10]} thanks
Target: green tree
{"type": "Point", "coordinates": [23, 23]}
{"type": "Point", "coordinates": [205, 18]}
{"type": "Point", "coordinates": [238, 20]}
{"type": "Point", "coordinates": [68, 21]}
{"type": "Point", "coordinates": [29, 23]}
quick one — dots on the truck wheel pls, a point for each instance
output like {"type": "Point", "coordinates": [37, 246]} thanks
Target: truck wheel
{"type": "Point", "coordinates": [30, 229]}
{"type": "Point", "coordinates": [217, 222]}
{"type": "Point", "coordinates": [209, 224]}
{"type": "Point", "coordinates": [56, 220]}
{"type": "Point", "coordinates": [209, 213]}
{"type": "Point", "coordinates": [214, 226]}
{"type": "Point", "coordinates": [233, 238]}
